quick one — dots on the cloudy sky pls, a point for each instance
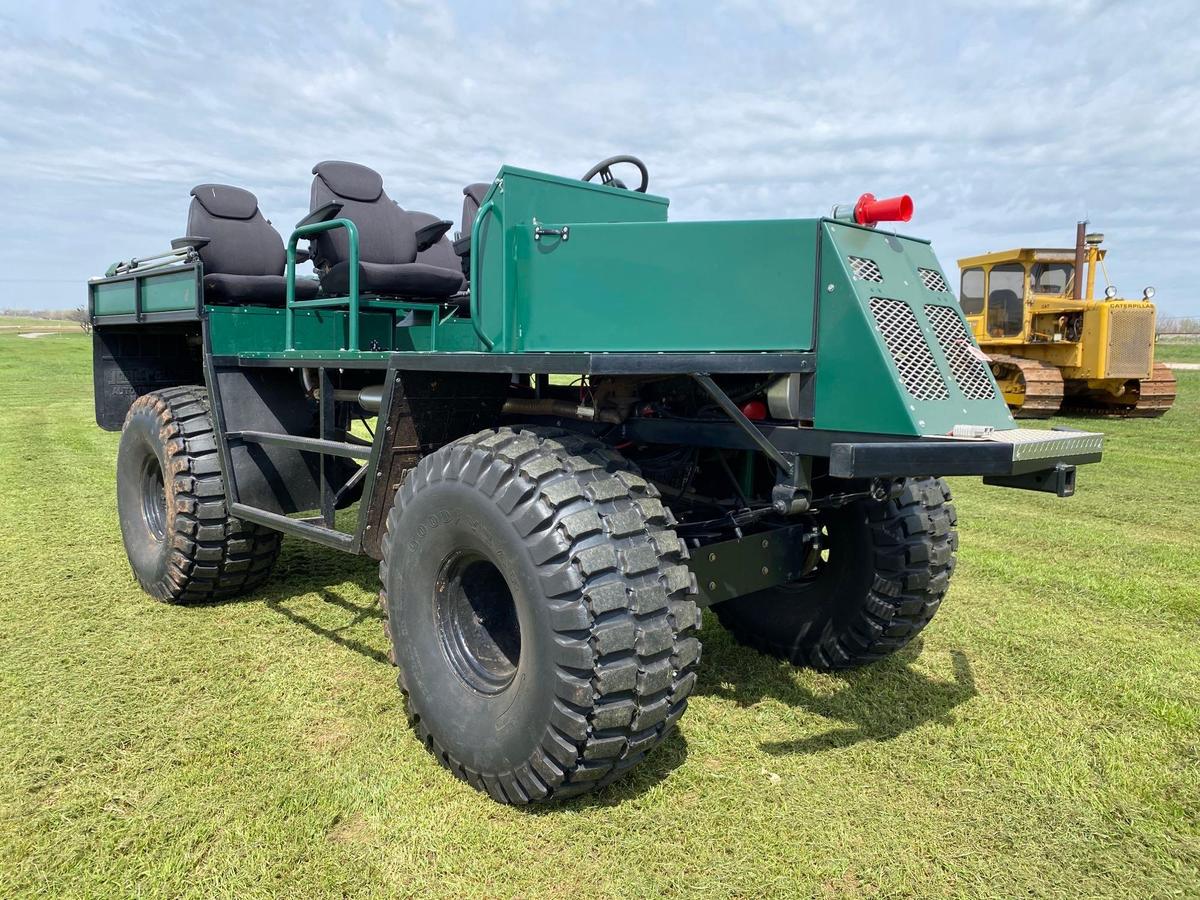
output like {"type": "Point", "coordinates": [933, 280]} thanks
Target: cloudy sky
{"type": "Point", "coordinates": [1007, 120]}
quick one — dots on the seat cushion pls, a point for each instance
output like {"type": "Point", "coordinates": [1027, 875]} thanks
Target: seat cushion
{"type": "Point", "coordinates": [410, 280]}
{"type": "Point", "coordinates": [265, 289]}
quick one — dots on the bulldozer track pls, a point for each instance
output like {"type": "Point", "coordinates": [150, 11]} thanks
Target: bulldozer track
{"type": "Point", "coordinates": [1043, 383]}
{"type": "Point", "coordinates": [1156, 395]}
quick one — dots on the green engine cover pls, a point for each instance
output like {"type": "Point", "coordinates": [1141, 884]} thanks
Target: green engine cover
{"type": "Point", "coordinates": [624, 279]}
{"type": "Point", "coordinates": [894, 353]}
{"type": "Point", "coordinates": [667, 286]}
{"type": "Point", "coordinates": [567, 266]}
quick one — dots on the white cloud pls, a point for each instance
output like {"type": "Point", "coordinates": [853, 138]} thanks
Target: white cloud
{"type": "Point", "coordinates": [1006, 122]}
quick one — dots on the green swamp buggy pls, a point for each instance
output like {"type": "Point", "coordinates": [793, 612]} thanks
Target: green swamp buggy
{"type": "Point", "coordinates": [588, 424]}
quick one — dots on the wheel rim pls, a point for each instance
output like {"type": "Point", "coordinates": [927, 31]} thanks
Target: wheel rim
{"type": "Point", "coordinates": [818, 557]}
{"type": "Point", "coordinates": [477, 622]}
{"type": "Point", "coordinates": [827, 560]}
{"type": "Point", "coordinates": [154, 498]}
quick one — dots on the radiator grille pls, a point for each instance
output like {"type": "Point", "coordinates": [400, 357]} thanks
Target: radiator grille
{"type": "Point", "coordinates": [933, 280]}
{"type": "Point", "coordinates": [1130, 342]}
{"type": "Point", "coordinates": [910, 351]}
{"type": "Point", "coordinates": [862, 269]}
{"type": "Point", "coordinates": [970, 372]}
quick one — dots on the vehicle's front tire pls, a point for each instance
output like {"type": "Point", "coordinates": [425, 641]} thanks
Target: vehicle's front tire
{"type": "Point", "coordinates": [540, 614]}
{"type": "Point", "coordinates": [885, 567]}
{"type": "Point", "coordinates": [182, 544]}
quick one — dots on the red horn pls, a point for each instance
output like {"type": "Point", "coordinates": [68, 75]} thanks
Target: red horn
{"type": "Point", "coordinates": [868, 210]}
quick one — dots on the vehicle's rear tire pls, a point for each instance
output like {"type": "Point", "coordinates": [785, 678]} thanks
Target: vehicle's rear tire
{"type": "Point", "coordinates": [540, 613]}
{"type": "Point", "coordinates": [887, 567]}
{"type": "Point", "coordinates": [182, 545]}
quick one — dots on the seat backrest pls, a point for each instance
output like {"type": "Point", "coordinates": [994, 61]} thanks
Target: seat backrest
{"type": "Point", "coordinates": [440, 254]}
{"type": "Point", "coordinates": [385, 231]}
{"type": "Point", "coordinates": [473, 195]}
{"type": "Point", "coordinates": [241, 240]}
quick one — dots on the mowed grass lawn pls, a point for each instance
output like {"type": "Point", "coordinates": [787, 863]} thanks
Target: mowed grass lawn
{"type": "Point", "coordinates": [1041, 739]}
{"type": "Point", "coordinates": [1184, 350]}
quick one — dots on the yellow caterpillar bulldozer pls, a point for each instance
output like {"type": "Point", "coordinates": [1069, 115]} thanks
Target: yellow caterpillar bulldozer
{"type": "Point", "coordinates": [1052, 344]}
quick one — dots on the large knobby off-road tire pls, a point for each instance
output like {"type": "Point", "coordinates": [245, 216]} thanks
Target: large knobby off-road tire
{"type": "Point", "coordinates": [182, 545]}
{"type": "Point", "coordinates": [884, 569]}
{"type": "Point", "coordinates": [539, 610]}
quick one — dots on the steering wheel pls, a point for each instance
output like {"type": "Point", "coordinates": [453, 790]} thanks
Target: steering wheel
{"type": "Point", "coordinates": [604, 170]}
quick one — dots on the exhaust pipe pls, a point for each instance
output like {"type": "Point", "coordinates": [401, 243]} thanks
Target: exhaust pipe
{"type": "Point", "coordinates": [369, 398]}
{"type": "Point", "coordinates": [519, 406]}
{"type": "Point", "coordinates": [869, 211]}
{"type": "Point", "coordinates": [1080, 250]}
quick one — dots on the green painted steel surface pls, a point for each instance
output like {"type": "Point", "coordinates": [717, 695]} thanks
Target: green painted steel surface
{"type": "Point", "coordinates": [168, 291]}
{"type": "Point", "coordinates": [859, 385]}
{"type": "Point", "coordinates": [519, 196]}
{"type": "Point", "coordinates": [260, 330]}
{"type": "Point", "coordinates": [351, 300]}
{"type": "Point", "coordinates": [670, 286]}
{"type": "Point", "coordinates": [481, 216]}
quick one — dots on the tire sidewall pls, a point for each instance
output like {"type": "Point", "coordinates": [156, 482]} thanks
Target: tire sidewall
{"type": "Point", "coordinates": [811, 610]}
{"type": "Point", "coordinates": [485, 732]}
{"type": "Point", "coordinates": [900, 557]}
{"type": "Point", "coordinates": [141, 441]}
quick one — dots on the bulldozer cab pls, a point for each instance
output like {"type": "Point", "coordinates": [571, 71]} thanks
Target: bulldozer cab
{"type": "Point", "coordinates": [997, 290]}
{"type": "Point", "coordinates": [1052, 278]}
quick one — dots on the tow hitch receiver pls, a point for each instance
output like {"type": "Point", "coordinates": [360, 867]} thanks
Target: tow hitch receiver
{"type": "Point", "coordinates": [1060, 480]}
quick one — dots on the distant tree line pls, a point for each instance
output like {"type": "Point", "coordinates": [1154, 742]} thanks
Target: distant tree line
{"type": "Point", "coordinates": [1178, 325]}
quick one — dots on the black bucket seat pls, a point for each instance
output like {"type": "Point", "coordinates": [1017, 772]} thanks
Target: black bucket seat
{"type": "Point", "coordinates": [388, 244]}
{"type": "Point", "coordinates": [242, 253]}
{"type": "Point", "coordinates": [473, 195]}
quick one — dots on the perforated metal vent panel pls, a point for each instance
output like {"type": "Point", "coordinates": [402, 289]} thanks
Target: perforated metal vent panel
{"type": "Point", "coordinates": [919, 374]}
{"type": "Point", "coordinates": [970, 372]}
{"type": "Point", "coordinates": [863, 269]}
{"type": "Point", "coordinates": [1130, 338]}
{"type": "Point", "coordinates": [933, 280]}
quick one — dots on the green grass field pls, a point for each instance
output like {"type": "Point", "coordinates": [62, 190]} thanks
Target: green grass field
{"type": "Point", "coordinates": [1185, 351]}
{"type": "Point", "coordinates": [1041, 739]}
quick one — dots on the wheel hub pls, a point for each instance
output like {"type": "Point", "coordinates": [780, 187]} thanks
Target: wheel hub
{"type": "Point", "coordinates": [477, 622]}
{"type": "Point", "coordinates": [154, 499]}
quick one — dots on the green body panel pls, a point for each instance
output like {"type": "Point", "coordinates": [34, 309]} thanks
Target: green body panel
{"type": "Point", "coordinates": [670, 286]}
{"type": "Point", "coordinates": [858, 386]}
{"type": "Point", "coordinates": [258, 330]}
{"type": "Point", "coordinates": [169, 291]}
{"type": "Point", "coordinates": [519, 196]}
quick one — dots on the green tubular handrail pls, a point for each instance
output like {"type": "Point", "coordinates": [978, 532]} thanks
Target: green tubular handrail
{"type": "Point", "coordinates": [292, 303]}
{"type": "Point", "coordinates": [476, 322]}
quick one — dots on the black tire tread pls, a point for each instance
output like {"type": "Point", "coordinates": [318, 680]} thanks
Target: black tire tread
{"type": "Point", "coordinates": [214, 556]}
{"type": "Point", "coordinates": [619, 588]}
{"type": "Point", "coordinates": [914, 545]}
